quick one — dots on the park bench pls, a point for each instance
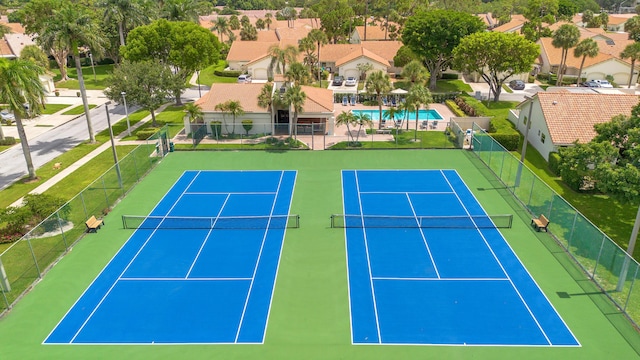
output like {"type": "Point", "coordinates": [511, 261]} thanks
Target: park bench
{"type": "Point", "coordinates": [383, 131]}
{"type": "Point", "coordinates": [540, 223]}
{"type": "Point", "coordinates": [93, 224]}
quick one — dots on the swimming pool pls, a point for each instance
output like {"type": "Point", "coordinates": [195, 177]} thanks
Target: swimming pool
{"type": "Point", "coordinates": [430, 114]}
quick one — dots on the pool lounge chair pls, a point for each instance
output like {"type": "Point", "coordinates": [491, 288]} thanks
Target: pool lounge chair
{"type": "Point", "coordinates": [344, 101]}
{"type": "Point", "coordinates": [353, 101]}
{"type": "Point", "coordinates": [393, 102]}
{"type": "Point", "coordinates": [434, 124]}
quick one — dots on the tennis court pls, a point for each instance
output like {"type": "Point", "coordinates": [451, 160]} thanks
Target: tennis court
{"type": "Point", "coordinates": [448, 283]}
{"type": "Point", "coordinates": [201, 268]}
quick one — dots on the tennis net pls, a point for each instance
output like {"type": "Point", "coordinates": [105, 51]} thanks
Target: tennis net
{"type": "Point", "coordinates": [461, 222]}
{"type": "Point", "coordinates": [220, 222]}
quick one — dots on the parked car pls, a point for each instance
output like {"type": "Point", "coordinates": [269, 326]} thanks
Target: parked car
{"type": "Point", "coordinates": [244, 79]}
{"type": "Point", "coordinates": [516, 84]}
{"type": "Point", "coordinates": [351, 81]}
{"type": "Point", "coordinates": [337, 80]}
{"type": "Point", "coordinates": [591, 83]}
{"type": "Point", "coordinates": [7, 117]}
{"type": "Point", "coordinates": [604, 83]}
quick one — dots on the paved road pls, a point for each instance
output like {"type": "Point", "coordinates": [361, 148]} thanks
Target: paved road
{"type": "Point", "coordinates": [52, 143]}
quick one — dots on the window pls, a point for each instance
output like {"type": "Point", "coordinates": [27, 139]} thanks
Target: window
{"type": "Point", "coordinates": [542, 138]}
{"type": "Point", "coordinates": [525, 120]}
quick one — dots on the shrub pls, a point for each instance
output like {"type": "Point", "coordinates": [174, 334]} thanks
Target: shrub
{"type": "Point", "coordinates": [454, 108]}
{"type": "Point", "coordinates": [227, 73]}
{"type": "Point", "coordinates": [14, 220]}
{"type": "Point", "coordinates": [8, 140]}
{"type": "Point", "coordinates": [554, 161]}
{"type": "Point", "coordinates": [466, 108]}
{"type": "Point", "coordinates": [531, 79]}
{"type": "Point", "coordinates": [544, 77]}
{"type": "Point", "coordinates": [43, 205]}
{"type": "Point", "coordinates": [145, 133]}
{"type": "Point", "coordinates": [450, 76]}
{"type": "Point", "coordinates": [216, 128]}
{"type": "Point", "coordinates": [509, 141]}
{"type": "Point", "coordinates": [247, 125]}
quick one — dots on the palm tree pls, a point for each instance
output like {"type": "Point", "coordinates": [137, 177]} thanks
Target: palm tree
{"type": "Point", "coordinates": [361, 120]}
{"type": "Point", "coordinates": [265, 98]}
{"type": "Point", "coordinates": [234, 22]}
{"type": "Point", "coordinates": [234, 107]}
{"type": "Point", "coordinates": [298, 74]}
{"type": "Point", "coordinates": [183, 10]}
{"type": "Point", "coordinates": [415, 72]}
{"type": "Point", "coordinates": [73, 26]}
{"type": "Point", "coordinates": [418, 95]}
{"type": "Point", "coordinates": [221, 26]}
{"type": "Point", "coordinates": [194, 111]}
{"type": "Point", "coordinates": [320, 38]}
{"type": "Point", "coordinates": [281, 57]}
{"type": "Point", "coordinates": [566, 37]}
{"type": "Point", "coordinates": [4, 29]}
{"type": "Point", "coordinates": [391, 114]}
{"type": "Point", "coordinates": [379, 84]}
{"type": "Point", "coordinates": [587, 47]}
{"type": "Point", "coordinates": [223, 108]}
{"type": "Point", "coordinates": [308, 46]}
{"type": "Point", "coordinates": [346, 118]}
{"type": "Point", "coordinates": [632, 52]}
{"type": "Point", "coordinates": [19, 85]}
{"type": "Point", "coordinates": [268, 20]}
{"type": "Point", "coordinates": [123, 13]}
{"type": "Point", "coordinates": [295, 97]}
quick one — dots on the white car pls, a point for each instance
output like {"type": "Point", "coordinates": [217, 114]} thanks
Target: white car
{"type": "Point", "coordinates": [244, 79]}
{"type": "Point", "coordinates": [5, 115]}
{"type": "Point", "coordinates": [351, 81]}
{"type": "Point", "coordinates": [603, 83]}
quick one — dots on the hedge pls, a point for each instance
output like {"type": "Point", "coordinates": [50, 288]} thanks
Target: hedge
{"type": "Point", "coordinates": [450, 76]}
{"type": "Point", "coordinates": [554, 162]}
{"type": "Point", "coordinates": [227, 73]}
{"type": "Point", "coordinates": [509, 141]}
{"type": "Point", "coordinates": [454, 108]}
{"type": "Point", "coordinates": [146, 133]}
{"type": "Point", "coordinates": [8, 140]}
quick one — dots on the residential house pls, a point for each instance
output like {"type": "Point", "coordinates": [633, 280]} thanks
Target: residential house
{"type": "Point", "coordinates": [317, 110]}
{"type": "Point", "coordinates": [606, 63]}
{"type": "Point", "coordinates": [515, 25]}
{"type": "Point", "coordinates": [374, 32]}
{"type": "Point", "coordinates": [559, 118]}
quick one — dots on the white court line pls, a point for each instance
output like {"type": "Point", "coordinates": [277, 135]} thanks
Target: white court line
{"type": "Point", "coordinates": [207, 237]}
{"type": "Point", "coordinates": [128, 265]}
{"type": "Point", "coordinates": [255, 268]}
{"type": "Point", "coordinates": [438, 279]}
{"type": "Point", "coordinates": [273, 288]}
{"type": "Point", "coordinates": [112, 258]}
{"type": "Point", "coordinates": [404, 192]}
{"type": "Point", "coordinates": [366, 247]}
{"type": "Point", "coordinates": [501, 266]}
{"type": "Point", "coordinates": [229, 193]}
{"type": "Point", "coordinates": [424, 239]}
{"type": "Point", "coordinates": [180, 279]}
{"type": "Point", "coordinates": [346, 251]}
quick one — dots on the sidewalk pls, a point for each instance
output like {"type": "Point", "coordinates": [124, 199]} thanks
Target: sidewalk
{"type": "Point", "coordinates": [67, 170]}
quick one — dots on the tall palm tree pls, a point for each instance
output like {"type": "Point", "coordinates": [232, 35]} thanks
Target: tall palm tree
{"type": "Point", "coordinates": [418, 95]}
{"type": "Point", "coordinates": [320, 38]}
{"type": "Point", "coordinates": [632, 52]}
{"type": "Point", "coordinates": [183, 10]}
{"type": "Point", "coordinates": [194, 111]}
{"type": "Point", "coordinates": [298, 74]}
{"type": "Point", "coordinates": [379, 84]}
{"type": "Point", "coordinates": [415, 72]}
{"type": "Point", "coordinates": [234, 107]}
{"type": "Point", "coordinates": [308, 46]}
{"type": "Point", "coordinates": [268, 20]}
{"type": "Point", "coordinates": [265, 99]}
{"type": "Point", "coordinates": [19, 85]}
{"type": "Point", "coordinates": [346, 118]}
{"type": "Point", "coordinates": [223, 108]}
{"type": "Point", "coordinates": [124, 13]}
{"type": "Point", "coordinates": [74, 26]}
{"type": "Point", "coordinates": [282, 56]}
{"type": "Point", "coordinates": [221, 26]}
{"type": "Point", "coordinates": [361, 120]}
{"type": "Point", "coordinates": [566, 37]}
{"type": "Point", "coordinates": [391, 114]}
{"type": "Point", "coordinates": [587, 47]}
{"type": "Point", "coordinates": [294, 97]}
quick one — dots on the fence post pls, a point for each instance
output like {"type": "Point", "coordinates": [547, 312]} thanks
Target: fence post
{"type": "Point", "coordinates": [593, 275]}
{"type": "Point", "coordinates": [5, 286]}
{"type": "Point", "coordinates": [35, 260]}
{"type": "Point", "coordinates": [84, 206]}
{"type": "Point", "coordinates": [64, 238]}
{"type": "Point", "coordinates": [630, 289]}
{"type": "Point", "coordinates": [106, 196]}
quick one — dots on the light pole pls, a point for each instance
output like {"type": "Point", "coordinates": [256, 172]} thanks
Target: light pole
{"type": "Point", "coordinates": [92, 67]}
{"type": "Point", "coordinates": [199, 92]}
{"type": "Point", "coordinates": [113, 144]}
{"type": "Point", "coordinates": [126, 111]}
{"type": "Point", "coordinates": [524, 144]}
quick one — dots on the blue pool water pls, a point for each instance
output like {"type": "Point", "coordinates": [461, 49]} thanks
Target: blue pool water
{"type": "Point", "coordinates": [430, 114]}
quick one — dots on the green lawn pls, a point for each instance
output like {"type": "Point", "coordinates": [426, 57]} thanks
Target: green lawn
{"type": "Point", "coordinates": [207, 77]}
{"type": "Point", "coordinates": [172, 116]}
{"type": "Point", "coordinates": [99, 83]}
{"type": "Point", "coordinates": [443, 86]}
{"type": "Point", "coordinates": [77, 110]}
{"type": "Point", "coordinates": [54, 108]}
{"type": "Point", "coordinates": [425, 140]}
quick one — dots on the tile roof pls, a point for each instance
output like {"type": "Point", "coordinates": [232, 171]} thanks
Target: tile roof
{"type": "Point", "coordinates": [16, 28]}
{"type": "Point", "coordinates": [248, 50]}
{"type": "Point", "coordinates": [374, 32]}
{"type": "Point", "coordinates": [617, 20]}
{"type": "Point", "coordinates": [247, 94]}
{"type": "Point", "coordinates": [318, 100]}
{"type": "Point", "coordinates": [385, 49]}
{"type": "Point", "coordinates": [571, 116]}
{"type": "Point", "coordinates": [554, 54]}
{"type": "Point", "coordinates": [359, 53]}
{"type": "Point", "coordinates": [18, 41]}
{"type": "Point", "coordinates": [5, 50]}
{"type": "Point", "coordinates": [515, 24]}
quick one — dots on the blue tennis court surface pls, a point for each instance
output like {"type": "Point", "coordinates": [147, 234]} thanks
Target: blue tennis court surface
{"type": "Point", "coordinates": [446, 286]}
{"type": "Point", "coordinates": [176, 286]}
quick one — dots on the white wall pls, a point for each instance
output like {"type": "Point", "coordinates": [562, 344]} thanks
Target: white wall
{"type": "Point", "coordinates": [261, 123]}
{"type": "Point", "coordinates": [259, 69]}
{"type": "Point", "coordinates": [351, 68]}
{"type": "Point", "coordinates": [537, 130]}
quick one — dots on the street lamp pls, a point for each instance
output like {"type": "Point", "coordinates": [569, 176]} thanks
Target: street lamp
{"type": "Point", "coordinates": [524, 144]}
{"type": "Point", "coordinates": [126, 111]}
{"type": "Point", "coordinates": [199, 92]}
{"type": "Point", "coordinates": [113, 144]}
{"type": "Point", "coordinates": [92, 67]}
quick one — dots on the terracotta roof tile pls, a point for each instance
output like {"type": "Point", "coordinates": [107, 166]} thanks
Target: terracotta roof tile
{"type": "Point", "coordinates": [385, 49]}
{"type": "Point", "coordinates": [374, 32]}
{"type": "Point", "coordinates": [554, 54]}
{"type": "Point", "coordinates": [515, 24]}
{"type": "Point", "coordinates": [571, 116]}
{"type": "Point", "coordinates": [248, 50]}
{"type": "Point", "coordinates": [247, 94]}
{"type": "Point", "coordinates": [359, 53]}
{"type": "Point", "coordinates": [318, 100]}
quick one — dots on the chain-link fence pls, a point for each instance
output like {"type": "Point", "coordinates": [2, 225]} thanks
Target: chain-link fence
{"type": "Point", "coordinates": [29, 258]}
{"type": "Point", "coordinates": [608, 265]}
